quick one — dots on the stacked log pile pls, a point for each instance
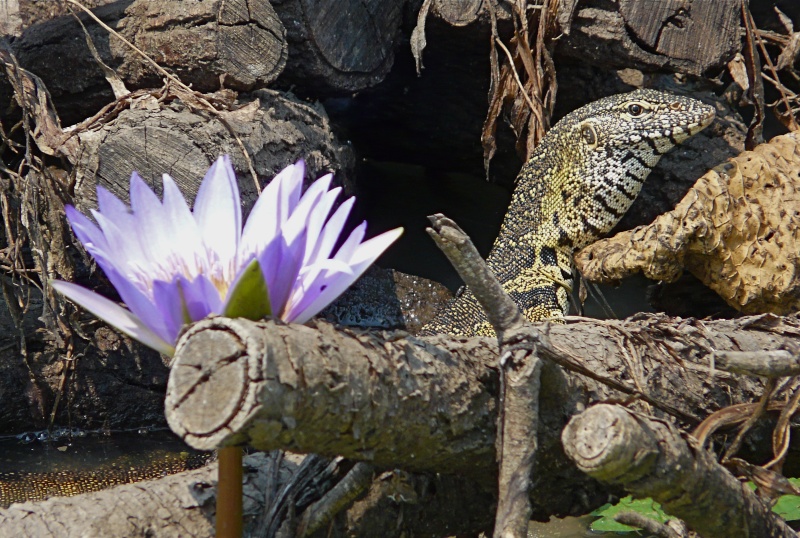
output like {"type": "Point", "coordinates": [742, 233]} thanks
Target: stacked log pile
{"type": "Point", "coordinates": [164, 87]}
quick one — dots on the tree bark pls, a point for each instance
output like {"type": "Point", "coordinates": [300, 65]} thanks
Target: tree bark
{"type": "Point", "coordinates": [429, 404]}
{"type": "Point", "coordinates": [654, 34]}
{"type": "Point", "coordinates": [651, 458]}
{"type": "Point", "coordinates": [339, 46]}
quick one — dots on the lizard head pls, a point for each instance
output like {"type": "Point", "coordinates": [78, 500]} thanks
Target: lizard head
{"type": "Point", "coordinates": [647, 123]}
{"type": "Point", "coordinates": [597, 157]}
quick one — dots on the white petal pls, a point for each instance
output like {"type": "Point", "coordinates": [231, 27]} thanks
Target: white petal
{"type": "Point", "coordinates": [218, 214]}
{"type": "Point", "coordinates": [272, 209]}
{"type": "Point", "coordinates": [114, 315]}
{"type": "Point", "coordinates": [317, 220]}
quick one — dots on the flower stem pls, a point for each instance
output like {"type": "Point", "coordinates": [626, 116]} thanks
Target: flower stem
{"type": "Point", "coordinates": [229, 492]}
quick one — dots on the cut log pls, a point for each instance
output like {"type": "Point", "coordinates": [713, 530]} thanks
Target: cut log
{"type": "Point", "coordinates": [238, 44]}
{"type": "Point", "coordinates": [183, 505]}
{"type": "Point", "coordinates": [652, 458]}
{"type": "Point", "coordinates": [339, 46]}
{"type": "Point", "coordinates": [276, 130]}
{"type": "Point", "coordinates": [696, 38]}
{"type": "Point", "coordinates": [429, 404]}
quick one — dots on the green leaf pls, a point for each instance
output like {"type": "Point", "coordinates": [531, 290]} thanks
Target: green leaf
{"type": "Point", "coordinates": [249, 297]}
{"type": "Point", "coordinates": [646, 507]}
{"type": "Point", "coordinates": [788, 506]}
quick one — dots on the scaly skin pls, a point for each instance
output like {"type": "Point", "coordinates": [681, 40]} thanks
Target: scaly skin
{"type": "Point", "coordinates": [578, 183]}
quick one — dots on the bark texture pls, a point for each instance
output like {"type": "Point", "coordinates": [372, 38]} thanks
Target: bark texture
{"type": "Point", "coordinates": [700, 38]}
{"type": "Point", "coordinates": [239, 44]}
{"type": "Point", "coordinates": [399, 401]}
{"type": "Point", "coordinates": [651, 458]}
{"type": "Point", "coordinates": [339, 46]}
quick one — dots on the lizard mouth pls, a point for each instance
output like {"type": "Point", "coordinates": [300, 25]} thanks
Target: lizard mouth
{"type": "Point", "coordinates": [702, 122]}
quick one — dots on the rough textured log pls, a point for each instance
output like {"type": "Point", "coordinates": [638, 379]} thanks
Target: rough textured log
{"type": "Point", "coordinates": [737, 230]}
{"type": "Point", "coordinates": [240, 44]}
{"type": "Point", "coordinates": [275, 128]}
{"type": "Point", "coordinates": [778, 363]}
{"type": "Point", "coordinates": [401, 402]}
{"type": "Point", "coordinates": [697, 38]}
{"type": "Point", "coordinates": [651, 458]}
{"type": "Point", "coordinates": [339, 46]}
{"type": "Point", "coordinates": [182, 505]}
{"type": "Point", "coordinates": [520, 368]}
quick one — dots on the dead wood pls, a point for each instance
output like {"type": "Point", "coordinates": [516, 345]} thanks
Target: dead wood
{"type": "Point", "coordinates": [339, 46]}
{"type": "Point", "coordinates": [399, 401]}
{"type": "Point", "coordinates": [183, 505]}
{"type": "Point", "coordinates": [183, 141]}
{"type": "Point", "coordinates": [778, 363]}
{"type": "Point", "coordinates": [737, 230]}
{"type": "Point", "coordinates": [654, 34]}
{"type": "Point", "coordinates": [520, 378]}
{"type": "Point", "coordinates": [209, 44]}
{"type": "Point", "coordinates": [239, 44]}
{"type": "Point", "coordinates": [652, 458]}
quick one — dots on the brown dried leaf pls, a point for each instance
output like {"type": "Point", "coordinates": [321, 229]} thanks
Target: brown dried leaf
{"type": "Point", "coordinates": [785, 20]}
{"type": "Point", "coordinates": [789, 53]}
{"type": "Point", "coordinates": [738, 71]}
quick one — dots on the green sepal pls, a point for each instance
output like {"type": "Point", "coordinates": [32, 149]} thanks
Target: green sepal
{"type": "Point", "coordinates": [249, 297]}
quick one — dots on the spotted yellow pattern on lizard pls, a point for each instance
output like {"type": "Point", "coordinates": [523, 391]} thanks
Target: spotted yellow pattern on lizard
{"type": "Point", "coordinates": [578, 183]}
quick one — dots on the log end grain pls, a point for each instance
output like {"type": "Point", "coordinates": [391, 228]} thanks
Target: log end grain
{"type": "Point", "coordinates": [208, 388]}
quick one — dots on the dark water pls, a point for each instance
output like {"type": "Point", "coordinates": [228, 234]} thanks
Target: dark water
{"type": "Point", "coordinates": [35, 466]}
{"type": "Point", "coordinates": [40, 452]}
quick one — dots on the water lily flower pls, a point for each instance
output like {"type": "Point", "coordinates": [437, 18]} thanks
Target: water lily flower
{"type": "Point", "coordinates": [172, 265]}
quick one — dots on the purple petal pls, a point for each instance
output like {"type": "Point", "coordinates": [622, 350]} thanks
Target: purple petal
{"type": "Point", "coordinates": [168, 300]}
{"type": "Point", "coordinates": [114, 315]}
{"type": "Point", "coordinates": [281, 264]}
{"type": "Point", "coordinates": [180, 226]}
{"type": "Point", "coordinates": [321, 285]}
{"type": "Point", "coordinates": [218, 212]}
{"type": "Point", "coordinates": [85, 230]}
{"type": "Point", "coordinates": [134, 298]}
{"type": "Point", "coordinates": [369, 251]}
{"type": "Point", "coordinates": [333, 277]}
{"type": "Point", "coordinates": [123, 244]}
{"type": "Point", "coordinates": [154, 240]}
{"type": "Point", "coordinates": [298, 221]}
{"type": "Point", "coordinates": [350, 245]}
{"type": "Point", "coordinates": [201, 298]}
{"type": "Point", "coordinates": [182, 301]}
{"type": "Point", "coordinates": [112, 207]}
{"type": "Point", "coordinates": [272, 209]}
{"type": "Point", "coordinates": [331, 232]}
{"type": "Point", "coordinates": [317, 220]}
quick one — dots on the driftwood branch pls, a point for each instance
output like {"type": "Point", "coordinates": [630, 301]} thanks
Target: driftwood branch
{"type": "Point", "coordinates": [429, 404]}
{"type": "Point", "coordinates": [520, 373]}
{"type": "Point", "coordinates": [651, 458]}
{"type": "Point", "coordinates": [777, 363]}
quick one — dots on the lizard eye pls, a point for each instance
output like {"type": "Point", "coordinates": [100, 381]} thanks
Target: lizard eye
{"type": "Point", "coordinates": [635, 109]}
{"type": "Point", "coordinates": [589, 135]}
